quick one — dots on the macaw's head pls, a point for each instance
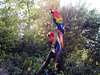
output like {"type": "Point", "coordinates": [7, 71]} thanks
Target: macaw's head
{"type": "Point", "coordinates": [52, 10]}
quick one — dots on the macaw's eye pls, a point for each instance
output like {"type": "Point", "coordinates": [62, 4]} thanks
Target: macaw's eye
{"type": "Point", "coordinates": [48, 35]}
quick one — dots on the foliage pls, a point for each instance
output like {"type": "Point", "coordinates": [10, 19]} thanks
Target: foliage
{"type": "Point", "coordinates": [81, 31]}
{"type": "Point", "coordinates": [23, 38]}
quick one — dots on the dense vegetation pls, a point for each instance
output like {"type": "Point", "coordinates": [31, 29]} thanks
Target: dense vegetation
{"type": "Point", "coordinates": [23, 38]}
